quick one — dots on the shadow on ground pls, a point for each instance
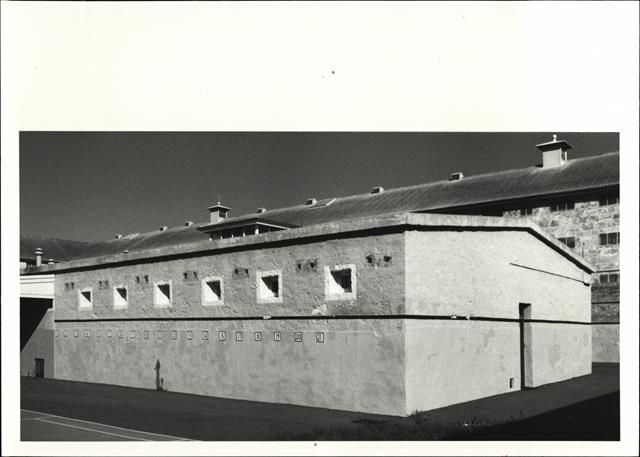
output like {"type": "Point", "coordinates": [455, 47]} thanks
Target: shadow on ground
{"type": "Point", "coordinates": [584, 408]}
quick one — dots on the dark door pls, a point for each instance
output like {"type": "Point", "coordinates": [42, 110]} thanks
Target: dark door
{"type": "Point", "coordinates": [524, 315]}
{"type": "Point", "coordinates": [39, 368]}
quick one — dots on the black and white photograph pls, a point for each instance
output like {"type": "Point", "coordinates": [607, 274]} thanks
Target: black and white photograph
{"type": "Point", "coordinates": [232, 237]}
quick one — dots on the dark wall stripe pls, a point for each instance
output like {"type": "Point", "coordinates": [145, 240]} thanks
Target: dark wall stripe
{"type": "Point", "coordinates": [319, 318]}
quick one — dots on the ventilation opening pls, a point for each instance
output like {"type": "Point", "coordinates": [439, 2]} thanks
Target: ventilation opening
{"type": "Point", "coordinates": [85, 299]}
{"type": "Point", "coordinates": [120, 297]}
{"type": "Point", "coordinates": [269, 287]}
{"type": "Point", "coordinates": [341, 281]}
{"type": "Point", "coordinates": [162, 294]}
{"type": "Point", "coordinates": [212, 291]}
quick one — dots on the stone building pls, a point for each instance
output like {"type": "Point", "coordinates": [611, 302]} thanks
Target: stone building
{"type": "Point", "coordinates": [359, 302]}
{"type": "Point", "coordinates": [383, 314]}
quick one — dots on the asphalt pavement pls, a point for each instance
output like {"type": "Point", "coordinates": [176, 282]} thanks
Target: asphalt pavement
{"type": "Point", "coordinates": [66, 410]}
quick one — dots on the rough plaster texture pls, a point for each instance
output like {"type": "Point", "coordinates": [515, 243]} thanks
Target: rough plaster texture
{"type": "Point", "coordinates": [450, 362]}
{"type": "Point", "coordinates": [359, 366]}
{"type": "Point", "coordinates": [472, 273]}
{"type": "Point", "coordinates": [606, 343]}
{"type": "Point", "coordinates": [389, 366]}
{"type": "Point", "coordinates": [40, 346]}
{"type": "Point", "coordinates": [559, 352]}
{"type": "Point", "coordinates": [379, 291]}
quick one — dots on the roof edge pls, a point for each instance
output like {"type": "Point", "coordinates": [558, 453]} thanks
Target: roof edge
{"type": "Point", "coordinates": [327, 229]}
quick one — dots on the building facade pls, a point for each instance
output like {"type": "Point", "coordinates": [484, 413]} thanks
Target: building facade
{"type": "Point", "coordinates": [385, 315]}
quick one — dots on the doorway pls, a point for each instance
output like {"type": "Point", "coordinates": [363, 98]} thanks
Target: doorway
{"type": "Point", "coordinates": [524, 315]}
{"type": "Point", "coordinates": [39, 368]}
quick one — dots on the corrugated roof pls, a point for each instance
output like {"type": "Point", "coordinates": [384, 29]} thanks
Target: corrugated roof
{"type": "Point", "coordinates": [58, 250]}
{"type": "Point", "coordinates": [577, 175]}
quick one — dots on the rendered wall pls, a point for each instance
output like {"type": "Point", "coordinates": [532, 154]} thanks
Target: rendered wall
{"type": "Point", "coordinates": [359, 366]}
{"type": "Point", "coordinates": [39, 345]}
{"type": "Point", "coordinates": [450, 362]}
{"type": "Point", "coordinates": [606, 343]}
{"type": "Point", "coordinates": [484, 274]}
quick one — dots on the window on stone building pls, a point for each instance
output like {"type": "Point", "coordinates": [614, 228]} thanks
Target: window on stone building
{"type": "Point", "coordinates": [162, 296]}
{"type": "Point", "coordinates": [120, 297]}
{"type": "Point", "coordinates": [570, 241]}
{"type": "Point", "coordinates": [212, 291]}
{"type": "Point", "coordinates": [340, 282]}
{"type": "Point", "coordinates": [269, 286]}
{"type": "Point", "coordinates": [609, 278]}
{"type": "Point", "coordinates": [608, 201]}
{"type": "Point", "coordinates": [609, 238]}
{"type": "Point", "coordinates": [562, 206]}
{"type": "Point", "coordinates": [85, 298]}
{"type": "Point", "coordinates": [526, 211]}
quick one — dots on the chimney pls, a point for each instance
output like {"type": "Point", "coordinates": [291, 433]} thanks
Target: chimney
{"type": "Point", "coordinates": [218, 213]}
{"type": "Point", "coordinates": [311, 201]}
{"type": "Point", "coordinates": [188, 223]}
{"type": "Point", "coordinates": [457, 176]}
{"type": "Point", "coordinates": [163, 228]}
{"type": "Point", "coordinates": [377, 190]}
{"type": "Point", "coordinates": [554, 153]}
{"type": "Point", "coordinates": [50, 262]}
{"type": "Point", "coordinates": [118, 236]}
{"type": "Point", "coordinates": [261, 210]}
{"type": "Point", "coordinates": [38, 253]}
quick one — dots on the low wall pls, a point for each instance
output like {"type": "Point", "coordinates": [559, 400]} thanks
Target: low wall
{"type": "Point", "coordinates": [358, 366]}
{"type": "Point", "coordinates": [606, 342]}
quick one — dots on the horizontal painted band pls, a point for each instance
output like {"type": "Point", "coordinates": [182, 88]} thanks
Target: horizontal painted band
{"type": "Point", "coordinates": [309, 318]}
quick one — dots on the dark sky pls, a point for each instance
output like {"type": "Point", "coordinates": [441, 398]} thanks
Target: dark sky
{"type": "Point", "coordinates": [90, 186]}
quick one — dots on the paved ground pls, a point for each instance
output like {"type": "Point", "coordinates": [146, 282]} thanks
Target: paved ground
{"type": "Point", "coordinates": [582, 408]}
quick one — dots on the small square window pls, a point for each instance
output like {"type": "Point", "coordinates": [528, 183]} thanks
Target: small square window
{"type": "Point", "coordinates": [66, 333]}
{"type": "Point", "coordinates": [85, 298]}
{"type": "Point", "coordinates": [146, 334]}
{"type": "Point", "coordinates": [340, 282]}
{"type": "Point", "coordinates": [297, 337]}
{"type": "Point", "coordinates": [212, 291]}
{"type": "Point", "coordinates": [609, 238]}
{"type": "Point", "coordinates": [162, 296]}
{"type": "Point", "coordinates": [526, 211]}
{"type": "Point", "coordinates": [239, 336]}
{"type": "Point", "coordinates": [57, 333]}
{"type": "Point", "coordinates": [570, 241]}
{"type": "Point", "coordinates": [86, 333]}
{"type": "Point", "coordinates": [277, 336]}
{"type": "Point", "coordinates": [319, 337]}
{"type": "Point", "coordinates": [98, 333]}
{"type": "Point", "coordinates": [132, 333]}
{"type": "Point", "coordinates": [257, 336]}
{"type": "Point", "coordinates": [189, 335]}
{"type": "Point", "coordinates": [109, 333]}
{"type": "Point", "coordinates": [160, 335]}
{"type": "Point", "coordinates": [222, 335]}
{"type": "Point", "coordinates": [205, 335]}
{"type": "Point", "coordinates": [269, 286]}
{"type": "Point", "coordinates": [120, 333]}
{"type": "Point", "coordinates": [120, 299]}
{"type": "Point", "coordinates": [174, 335]}
{"type": "Point", "coordinates": [76, 333]}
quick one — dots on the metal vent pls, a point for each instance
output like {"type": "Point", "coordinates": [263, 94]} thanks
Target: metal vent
{"type": "Point", "coordinates": [457, 176]}
{"type": "Point", "coordinates": [310, 201]}
{"type": "Point", "coordinates": [377, 190]}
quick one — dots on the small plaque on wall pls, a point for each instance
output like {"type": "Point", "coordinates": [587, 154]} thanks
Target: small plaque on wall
{"type": "Point", "coordinates": [146, 334]}
{"type": "Point", "coordinates": [319, 337]}
{"type": "Point", "coordinates": [174, 334]}
{"type": "Point", "coordinates": [238, 336]}
{"type": "Point", "coordinates": [257, 336]}
{"type": "Point", "coordinates": [222, 335]}
{"type": "Point", "coordinates": [205, 335]}
{"type": "Point", "coordinates": [297, 337]}
{"type": "Point", "coordinates": [277, 336]}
